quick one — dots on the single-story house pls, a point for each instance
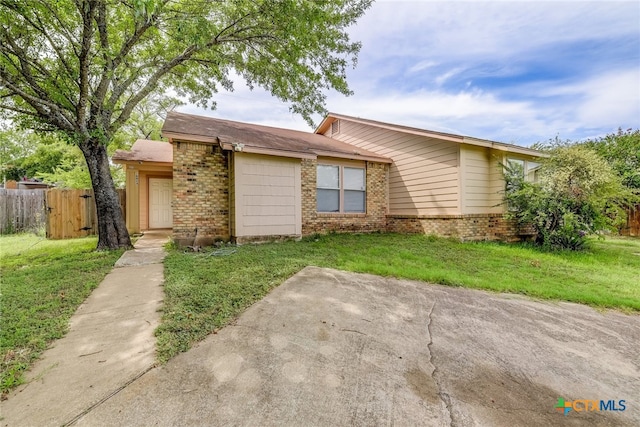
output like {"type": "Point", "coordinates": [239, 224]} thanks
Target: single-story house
{"type": "Point", "coordinates": [223, 180]}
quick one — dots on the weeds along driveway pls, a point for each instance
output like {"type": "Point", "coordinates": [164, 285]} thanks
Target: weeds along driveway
{"type": "Point", "coordinates": [335, 348]}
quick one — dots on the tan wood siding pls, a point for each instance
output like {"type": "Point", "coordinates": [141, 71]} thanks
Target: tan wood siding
{"type": "Point", "coordinates": [481, 180]}
{"type": "Point", "coordinates": [267, 196]}
{"type": "Point", "coordinates": [232, 194]}
{"type": "Point", "coordinates": [133, 201]}
{"type": "Point", "coordinates": [496, 181]}
{"type": "Point", "coordinates": [423, 179]}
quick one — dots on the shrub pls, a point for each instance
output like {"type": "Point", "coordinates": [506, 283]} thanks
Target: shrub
{"type": "Point", "coordinates": [577, 194]}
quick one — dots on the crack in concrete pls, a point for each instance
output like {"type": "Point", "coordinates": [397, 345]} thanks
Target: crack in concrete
{"type": "Point", "coordinates": [444, 397]}
{"type": "Point", "coordinates": [135, 378]}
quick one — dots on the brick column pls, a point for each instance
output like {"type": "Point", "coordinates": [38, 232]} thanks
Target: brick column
{"type": "Point", "coordinates": [200, 193]}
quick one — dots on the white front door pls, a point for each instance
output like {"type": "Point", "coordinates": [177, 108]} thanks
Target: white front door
{"type": "Point", "coordinates": [160, 194]}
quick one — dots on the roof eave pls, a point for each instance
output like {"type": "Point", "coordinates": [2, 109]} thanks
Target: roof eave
{"type": "Point", "coordinates": [239, 148]}
{"type": "Point", "coordinates": [324, 125]}
{"type": "Point", "coordinates": [141, 162]}
{"type": "Point", "coordinates": [503, 147]}
{"type": "Point", "coordinates": [176, 136]}
{"type": "Point", "coordinates": [353, 156]}
{"type": "Point", "coordinates": [389, 126]}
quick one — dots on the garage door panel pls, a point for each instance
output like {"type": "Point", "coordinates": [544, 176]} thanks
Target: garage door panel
{"type": "Point", "coordinates": [276, 210]}
{"type": "Point", "coordinates": [272, 170]}
{"type": "Point", "coordinates": [279, 220]}
{"type": "Point", "coordinates": [272, 190]}
{"type": "Point", "coordinates": [267, 195]}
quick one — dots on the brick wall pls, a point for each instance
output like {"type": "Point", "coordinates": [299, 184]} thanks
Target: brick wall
{"type": "Point", "coordinates": [376, 199]}
{"type": "Point", "coordinates": [463, 227]}
{"type": "Point", "coordinates": [200, 194]}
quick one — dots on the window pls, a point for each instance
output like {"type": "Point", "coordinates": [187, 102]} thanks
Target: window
{"type": "Point", "coordinates": [525, 168]}
{"type": "Point", "coordinates": [531, 171]}
{"type": "Point", "coordinates": [341, 189]}
{"type": "Point", "coordinates": [328, 188]}
{"type": "Point", "coordinates": [516, 165]}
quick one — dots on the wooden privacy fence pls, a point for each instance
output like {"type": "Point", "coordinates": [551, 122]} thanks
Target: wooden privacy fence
{"type": "Point", "coordinates": [21, 210]}
{"type": "Point", "coordinates": [72, 213]}
{"type": "Point", "coordinates": [632, 227]}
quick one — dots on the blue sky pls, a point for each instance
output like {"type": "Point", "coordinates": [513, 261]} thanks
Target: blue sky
{"type": "Point", "coordinates": [510, 71]}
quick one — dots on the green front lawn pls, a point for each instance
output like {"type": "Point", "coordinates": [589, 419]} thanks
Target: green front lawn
{"type": "Point", "coordinates": [42, 283]}
{"type": "Point", "coordinates": [204, 291]}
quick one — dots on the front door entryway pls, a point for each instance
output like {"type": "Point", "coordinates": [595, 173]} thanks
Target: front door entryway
{"type": "Point", "coordinates": [160, 194]}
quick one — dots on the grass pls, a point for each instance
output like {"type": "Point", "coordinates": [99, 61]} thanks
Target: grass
{"type": "Point", "coordinates": [42, 284]}
{"type": "Point", "coordinates": [204, 292]}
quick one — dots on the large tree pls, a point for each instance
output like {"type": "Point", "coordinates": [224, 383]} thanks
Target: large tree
{"type": "Point", "coordinates": [622, 151]}
{"type": "Point", "coordinates": [80, 67]}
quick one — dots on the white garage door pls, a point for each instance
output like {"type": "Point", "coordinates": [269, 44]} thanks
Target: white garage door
{"type": "Point", "coordinates": [267, 195]}
{"type": "Point", "coordinates": [160, 194]}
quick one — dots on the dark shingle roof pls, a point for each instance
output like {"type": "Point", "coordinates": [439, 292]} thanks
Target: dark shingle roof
{"type": "Point", "coordinates": [188, 127]}
{"type": "Point", "coordinates": [146, 150]}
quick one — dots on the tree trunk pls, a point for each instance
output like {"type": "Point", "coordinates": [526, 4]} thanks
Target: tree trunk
{"type": "Point", "coordinates": [112, 230]}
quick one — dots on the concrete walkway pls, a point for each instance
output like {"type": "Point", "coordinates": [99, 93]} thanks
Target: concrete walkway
{"type": "Point", "coordinates": [110, 344]}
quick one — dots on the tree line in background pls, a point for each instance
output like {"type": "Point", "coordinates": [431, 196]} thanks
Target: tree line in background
{"type": "Point", "coordinates": [45, 156]}
{"type": "Point", "coordinates": [582, 188]}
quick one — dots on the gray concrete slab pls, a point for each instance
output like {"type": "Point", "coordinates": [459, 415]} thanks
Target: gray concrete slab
{"type": "Point", "coordinates": [149, 249]}
{"type": "Point", "coordinates": [332, 348]}
{"type": "Point", "coordinates": [109, 344]}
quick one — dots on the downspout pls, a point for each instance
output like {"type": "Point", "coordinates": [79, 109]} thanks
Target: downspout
{"type": "Point", "coordinates": [230, 165]}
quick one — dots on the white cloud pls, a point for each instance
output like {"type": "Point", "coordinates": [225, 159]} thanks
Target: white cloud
{"type": "Point", "coordinates": [461, 112]}
{"type": "Point", "coordinates": [249, 105]}
{"type": "Point", "coordinates": [501, 28]}
{"type": "Point", "coordinates": [612, 99]}
{"type": "Point", "coordinates": [442, 78]}
{"type": "Point", "coordinates": [421, 66]}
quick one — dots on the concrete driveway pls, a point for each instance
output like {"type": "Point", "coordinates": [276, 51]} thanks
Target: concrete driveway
{"type": "Point", "coordinates": [329, 348]}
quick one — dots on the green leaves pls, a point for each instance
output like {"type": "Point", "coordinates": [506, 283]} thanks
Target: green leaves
{"type": "Point", "coordinates": [84, 65]}
{"type": "Point", "coordinates": [578, 194]}
{"type": "Point", "coordinates": [145, 9]}
{"type": "Point", "coordinates": [622, 151]}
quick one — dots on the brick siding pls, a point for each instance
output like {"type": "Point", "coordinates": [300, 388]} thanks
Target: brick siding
{"type": "Point", "coordinates": [463, 227]}
{"type": "Point", "coordinates": [376, 200]}
{"type": "Point", "coordinates": [200, 194]}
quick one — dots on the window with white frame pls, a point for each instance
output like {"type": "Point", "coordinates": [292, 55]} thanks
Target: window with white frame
{"type": "Point", "coordinates": [341, 189]}
{"type": "Point", "coordinates": [528, 169]}
{"type": "Point", "coordinates": [531, 171]}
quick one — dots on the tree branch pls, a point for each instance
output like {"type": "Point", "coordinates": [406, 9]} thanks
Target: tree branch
{"type": "Point", "coordinates": [111, 64]}
{"type": "Point", "coordinates": [87, 10]}
{"type": "Point", "coordinates": [47, 110]}
{"type": "Point", "coordinates": [62, 27]}
{"type": "Point", "coordinates": [150, 85]}
{"type": "Point", "coordinates": [24, 67]}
